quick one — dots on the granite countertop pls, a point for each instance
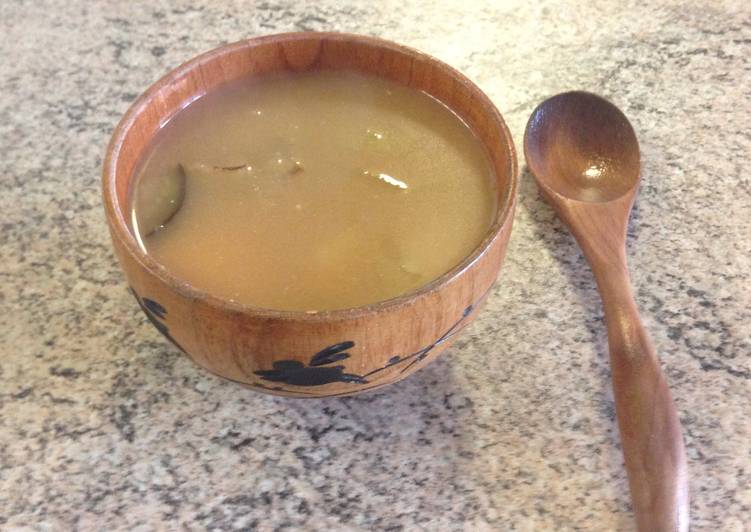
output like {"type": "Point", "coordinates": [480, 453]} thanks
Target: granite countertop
{"type": "Point", "coordinates": [104, 425]}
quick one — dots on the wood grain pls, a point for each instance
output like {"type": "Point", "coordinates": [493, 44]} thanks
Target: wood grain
{"type": "Point", "coordinates": [585, 158]}
{"type": "Point", "coordinates": [304, 351]}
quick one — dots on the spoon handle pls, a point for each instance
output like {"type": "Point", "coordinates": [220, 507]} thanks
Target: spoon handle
{"type": "Point", "coordinates": [649, 427]}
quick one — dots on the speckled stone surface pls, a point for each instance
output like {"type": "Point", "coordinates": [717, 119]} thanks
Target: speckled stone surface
{"type": "Point", "coordinates": [104, 425]}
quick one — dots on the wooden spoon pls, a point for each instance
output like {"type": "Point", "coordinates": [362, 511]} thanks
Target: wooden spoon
{"type": "Point", "coordinates": [585, 158]}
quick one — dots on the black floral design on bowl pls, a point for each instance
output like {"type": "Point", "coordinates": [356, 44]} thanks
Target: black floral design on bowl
{"type": "Point", "coordinates": [319, 371]}
{"type": "Point", "coordinates": [156, 314]}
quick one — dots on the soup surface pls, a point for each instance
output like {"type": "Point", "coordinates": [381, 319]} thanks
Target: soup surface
{"type": "Point", "coordinates": [313, 191]}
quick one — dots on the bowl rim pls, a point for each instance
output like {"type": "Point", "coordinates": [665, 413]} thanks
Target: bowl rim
{"type": "Point", "coordinates": [120, 229]}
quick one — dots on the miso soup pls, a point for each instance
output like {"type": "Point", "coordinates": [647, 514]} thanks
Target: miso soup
{"type": "Point", "coordinates": [313, 191]}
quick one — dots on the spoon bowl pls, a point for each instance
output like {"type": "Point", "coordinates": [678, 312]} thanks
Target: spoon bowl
{"type": "Point", "coordinates": [582, 147]}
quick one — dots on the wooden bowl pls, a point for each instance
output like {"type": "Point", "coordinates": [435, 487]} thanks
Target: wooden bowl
{"type": "Point", "coordinates": [328, 353]}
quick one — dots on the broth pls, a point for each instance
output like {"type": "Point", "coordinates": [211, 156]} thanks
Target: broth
{"type": "Point", "coordinates": [313, 191]}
